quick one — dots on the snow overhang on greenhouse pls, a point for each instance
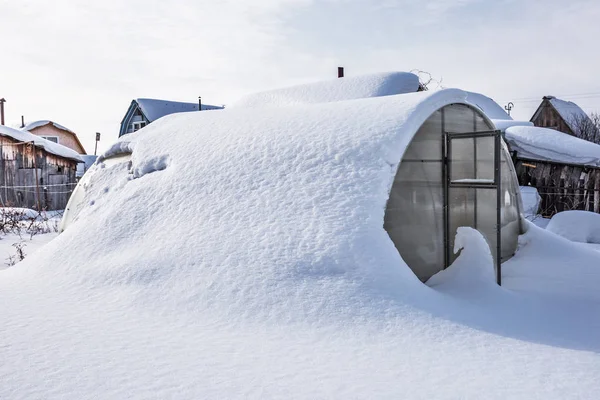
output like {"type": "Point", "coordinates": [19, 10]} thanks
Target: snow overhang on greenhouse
{"type": "Point", "coordinates": [351, 174]}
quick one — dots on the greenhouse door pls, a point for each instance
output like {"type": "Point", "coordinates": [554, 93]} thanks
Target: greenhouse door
{"type": "Point", "coordinates": [471, 175]}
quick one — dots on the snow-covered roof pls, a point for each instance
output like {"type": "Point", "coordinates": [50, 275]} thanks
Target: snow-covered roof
{"type": "Point", "coordinates": [154, 109]}
{"type": "Point", "coordinates": [37, 124]}
{"type": "Point", "coordinates": [50, 147]}
{"type": "Point", "coordinates": [550, 145]}
{"type": "Point", "coordinates": [570, 112]}
{"type": "Point", "coordinates": [348, 88]}
{"type": "Point", "coordinates": [492, 109]}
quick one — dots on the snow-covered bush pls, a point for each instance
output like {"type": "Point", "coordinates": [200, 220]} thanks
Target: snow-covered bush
{"type": "Point", "coordinates": [577, 226]}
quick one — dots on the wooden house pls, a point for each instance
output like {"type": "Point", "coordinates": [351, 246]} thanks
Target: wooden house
{"type": "Point", "coordinates": [56, 133]}
{"type": "Point", "coordinates": [142, 112]}
{"type": "Point", "coordinates": [561, 115]}
{"type": "Point", "coordinates": [34, 172]}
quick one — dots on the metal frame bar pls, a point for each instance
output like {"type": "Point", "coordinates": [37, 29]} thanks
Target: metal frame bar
{"type": "Point", "coordinates": [498, 179]}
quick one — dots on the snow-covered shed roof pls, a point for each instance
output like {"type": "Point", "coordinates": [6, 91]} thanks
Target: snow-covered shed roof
{"type": "Point", "coordinates": [50, 147]}
{"type": "Point", "coordinates": [37, 124]}
{"type": "Point", "coordinates": [348, 88]}
{"type": "Point", "coordinates": [551, 145]}
{"type": "Point", "coordinates": [154, 109]}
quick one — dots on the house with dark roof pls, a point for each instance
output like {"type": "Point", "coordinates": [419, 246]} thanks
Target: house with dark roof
{"type": "Point", "coordinates": [142, 112]}
{"type": "Point", "coordinates": [561, 115]}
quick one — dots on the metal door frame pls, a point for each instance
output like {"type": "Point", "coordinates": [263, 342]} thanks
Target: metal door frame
{"type": "Point", "coordinates": [496, 184]}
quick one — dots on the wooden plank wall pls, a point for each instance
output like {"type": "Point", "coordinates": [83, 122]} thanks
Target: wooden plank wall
{"type": "Point", "coordinates": [561, 187]}
{"type": "Point", "coordinates": [19, 180]}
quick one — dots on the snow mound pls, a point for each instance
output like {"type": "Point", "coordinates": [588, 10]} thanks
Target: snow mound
{"type": "Point", "coordinates": [252, 263]}
{"type": "Point", "coordinates": [350, 88]}
{"type": "Point", "coordinates": [549, 145]}
{"type": "Point", "coordinates": [474, 265]}
{"type": "Point", "coordinates": [531, 200]}
{"type": "Point", "coordinates": [577, 226]}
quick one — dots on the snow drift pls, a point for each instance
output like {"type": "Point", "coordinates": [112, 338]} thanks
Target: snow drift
{"type": "Point", "coordinates": [245, 257]}
{"type": "Point", "coordinates": [577, 226]}
{"type": "Point", "coordinates": [350, 88]}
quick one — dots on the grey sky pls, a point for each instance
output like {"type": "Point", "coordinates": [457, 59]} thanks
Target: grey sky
{"type": "Point", "coordinates": [80, 63]}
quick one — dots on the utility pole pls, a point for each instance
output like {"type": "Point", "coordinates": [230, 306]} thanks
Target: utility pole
{"type": "Point", "coordinates": [97, 140]}
{"type": "Point", "coordinates": [2, 101]}
{"type": "Point", "coordinates": [509, 107]}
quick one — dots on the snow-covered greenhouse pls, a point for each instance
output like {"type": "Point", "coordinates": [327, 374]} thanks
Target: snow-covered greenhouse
{"type": "Point", "coordinates": [328, 173]}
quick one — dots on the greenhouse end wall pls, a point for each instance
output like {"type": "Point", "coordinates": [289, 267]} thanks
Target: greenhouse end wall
{"type": "Point", "coordinates": [415, 217]}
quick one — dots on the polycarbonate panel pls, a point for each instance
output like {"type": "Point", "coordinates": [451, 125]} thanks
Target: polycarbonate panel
{"type": "Point", "coordinates": [459, 118]}
{"type": "Point", "coordinates": [427, 143]}
{"type": "Point", "coordinates": [472, 159]}
{"type": "Point", "coordinates": [510, 209]}
{"type": "Point", "coordinates": [461, 207]}
{"type": "Point", "coordinates": [414, 216]}
{"type": "Point", "coordinates": [462, 163]}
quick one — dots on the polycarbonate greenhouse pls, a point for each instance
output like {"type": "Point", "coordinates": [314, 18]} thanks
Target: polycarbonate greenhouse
{"type": "Point", "coordinates": [346, 164]}
{"type": "Point", "coordinates": [456, 172]}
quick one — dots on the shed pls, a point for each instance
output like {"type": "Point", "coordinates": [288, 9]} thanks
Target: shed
{"type": "Point", "coordinates": [35, 172]}
{"type": "Point", "coordinates": [392, 175]}
{"type": "Point", "coordinates": [142, 112]}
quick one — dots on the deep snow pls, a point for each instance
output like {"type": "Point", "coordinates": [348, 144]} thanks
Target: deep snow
{"type": "Point", "coordinates": [577, 226]}
{"type": "Point", "coordinates": [245, 257]}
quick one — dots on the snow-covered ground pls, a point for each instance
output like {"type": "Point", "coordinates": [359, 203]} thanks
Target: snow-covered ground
{"type": "Point", "coordinates": [245, 257]}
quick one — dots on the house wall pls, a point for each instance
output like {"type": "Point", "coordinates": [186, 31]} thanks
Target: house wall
{"type": "Point", "coordinates": [548, 117]}
{"type": "Point", "coordinates": [29, 173]}
{"type": "Point", "coordinates": [64, 138]}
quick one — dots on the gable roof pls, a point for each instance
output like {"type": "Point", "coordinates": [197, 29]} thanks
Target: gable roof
{"type": "Point", "coordinates": [154, 109]}
{"type": "Point", "coordinates": [568, 111]}
{"type": "Point", "coordinates": [50, 147]}
{"type": "Point", "coordinates": [36, 124]}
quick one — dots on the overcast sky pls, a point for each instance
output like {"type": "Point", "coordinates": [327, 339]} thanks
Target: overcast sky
{"type": "Point", "coordinates": [80, 63]}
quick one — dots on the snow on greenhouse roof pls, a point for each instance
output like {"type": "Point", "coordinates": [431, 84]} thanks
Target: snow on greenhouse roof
{"type": "Point", "coordinates": [50, 147]}
{"type": "Point", "coordinates": [569, 111]}
{"type": "Point", "coordinates": [37, 124]}
{"type": "Point", "coordinates": [550, 145]}
{"type": "Point", "coordinates": [492, 109]}
{"type": "Point", "coordinates": [249, 249]}
{"type": "Point", "coordinates": [154, 109]}
{"type": "Point", "coordinates": [348, 88]}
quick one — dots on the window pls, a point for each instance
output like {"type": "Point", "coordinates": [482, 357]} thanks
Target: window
{"type": "Point", "coordinates": [138, 125]}
{"type": "Point", "coordinates": [51, 138]}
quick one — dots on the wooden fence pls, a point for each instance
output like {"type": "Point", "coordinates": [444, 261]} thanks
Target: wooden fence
{"type": "Point", "coordinates": [562, 187]}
